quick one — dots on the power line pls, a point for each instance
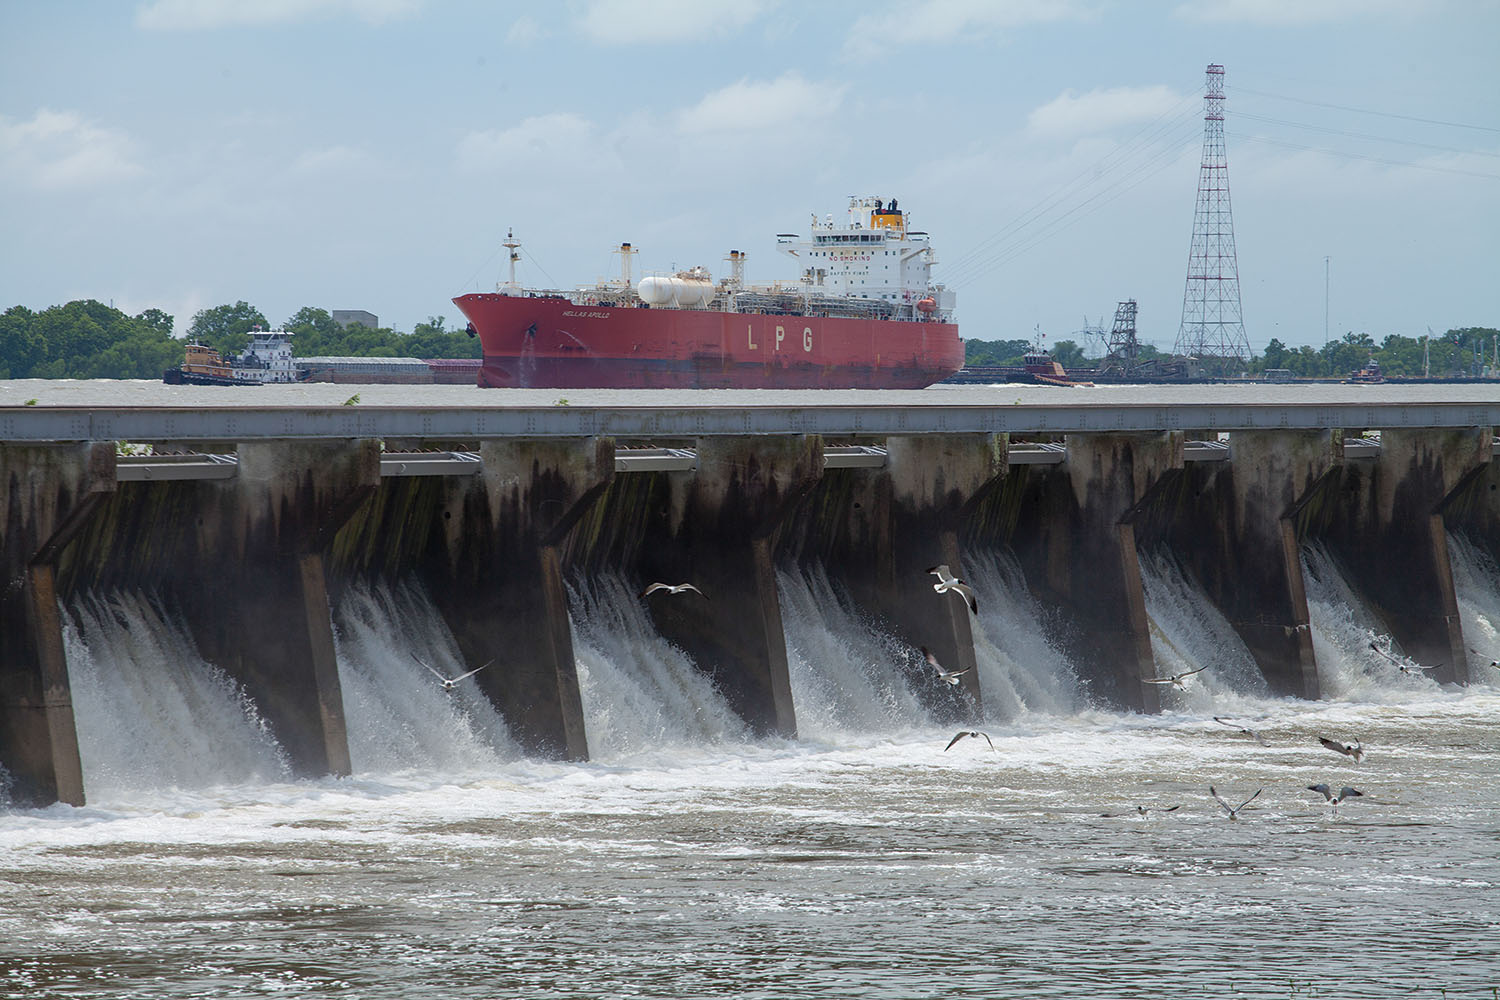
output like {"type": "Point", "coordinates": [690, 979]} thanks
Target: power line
{"type": "Point", "coordinates": [1373, 159]}
{"type": "Point", "coordinates": [1367, 111]}
{"type": "Point", "coordinates": [1363, 135]}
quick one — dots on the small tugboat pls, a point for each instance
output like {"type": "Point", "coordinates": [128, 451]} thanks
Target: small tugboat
{"type": "Point", "coordinates": [267, 358]}
{"type": "Point", "coordinates": [1368, 375]}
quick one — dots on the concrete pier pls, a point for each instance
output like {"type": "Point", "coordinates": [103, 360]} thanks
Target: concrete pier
{"type": "Point", "coordinates": [1070, 526]}
{"type": "Point", "coordinates": [1388, 513]}
{"type": "Point", "coordinates": [1232, 526]}
{"type": "Point", "coordinates": [713, 527]}
{"type": "Point", "coordinates": [878, 531]}
{"type": "Point", "coordinates": [47, 494]}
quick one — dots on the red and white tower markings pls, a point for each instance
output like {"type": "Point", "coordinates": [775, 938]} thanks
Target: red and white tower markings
{"type": "Point", "coordinates": [1212, 328]}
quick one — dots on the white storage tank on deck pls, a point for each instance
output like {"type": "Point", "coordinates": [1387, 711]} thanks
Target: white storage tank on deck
{"type": "Point", "coordinates": [685, 288]}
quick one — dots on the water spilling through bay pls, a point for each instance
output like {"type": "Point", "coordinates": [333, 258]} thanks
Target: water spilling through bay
{"type": "Point", "coordinates": [690, 859]}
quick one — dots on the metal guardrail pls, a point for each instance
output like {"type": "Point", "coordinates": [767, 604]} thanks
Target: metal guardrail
{"type": "Point", "coordinates": [244, 423]}
{"type": "Point", "coordinates": [1038, 454]}
{"type": "Point", "coordinates": [655, 459]}
{"type": "Point", "coordinates": [1205, 451]}
{"type": "Point", "coordinates": [169, 468]}
{"type": "Point", "coordinates": [430, 463]}
{"type": "Point", "coordinates": [175, 468]}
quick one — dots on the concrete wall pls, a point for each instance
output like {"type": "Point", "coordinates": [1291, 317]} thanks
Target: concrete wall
{"type": "Point", "coordinates": [47, 494]}
{"type": "Point", "coordinates": [253, 562]}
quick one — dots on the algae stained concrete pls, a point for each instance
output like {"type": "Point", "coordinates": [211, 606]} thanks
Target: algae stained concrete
{"type": "Point", "coordinates": [47, 495]}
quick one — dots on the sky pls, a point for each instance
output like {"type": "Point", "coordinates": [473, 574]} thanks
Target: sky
{"type": "Point", "coordinates": [372, 154]}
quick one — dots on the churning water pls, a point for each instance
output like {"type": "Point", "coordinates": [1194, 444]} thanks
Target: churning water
{"type": "Point", "coordinates": [689, 859]}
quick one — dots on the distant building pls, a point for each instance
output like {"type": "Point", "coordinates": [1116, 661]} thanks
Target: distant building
{"type": "Point", "coordinates": [349, 317]}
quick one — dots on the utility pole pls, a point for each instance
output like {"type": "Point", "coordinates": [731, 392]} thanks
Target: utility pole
{"type": "Point", "coordinates": [1325, 303]}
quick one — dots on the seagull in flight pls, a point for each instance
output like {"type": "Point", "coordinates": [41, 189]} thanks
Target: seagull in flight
{"type": "Point", "coordinates": [1257, 737]}
{"type": "Point", "coordinates": [1355, 749]}
{"type": "Point", "coordinates": [947, 676]}
{"type": "Point", "coordinates": [1174, 679]}
{"type": "Point", "coordinates": [448, 682]}
{"type": "Point", "coordinates": [948, 582]}
{"type": "Point", "coordinates": [1410, 669]}
{"type": "Point", "coordinates": [1144, 810]}
{"type": "Point", "coordinates": [673, 589]}
{"type": "Point", "coordinates": [1232, 810]}
{"type": "Point", "coordinates": [1344, 793]}
{"type": "Point", "coordinates": [1493, 663]}
{"type": "Point", "coordinates": [968, 732]}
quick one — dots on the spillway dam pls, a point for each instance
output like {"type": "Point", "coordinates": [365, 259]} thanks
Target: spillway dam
{"type": "Point", "coordinates": [253, 521]}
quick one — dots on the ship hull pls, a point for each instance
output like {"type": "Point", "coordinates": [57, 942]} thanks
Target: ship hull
{"type": "Point", "coordinates": [551, 342]}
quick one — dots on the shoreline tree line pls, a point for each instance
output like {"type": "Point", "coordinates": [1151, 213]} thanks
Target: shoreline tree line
{"type": "Point", "coordinates": [88, 339]}
{"type": "Point", "coordinates": [1449, 354]}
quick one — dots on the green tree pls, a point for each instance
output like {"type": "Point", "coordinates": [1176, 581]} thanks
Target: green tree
{"type": "Point", "coordinates": [1276, 354]}
{"type": "Point", "coordinates": [994, 352]}
{"type": "Point", "coordinates": [1068, 354]}
{"type": "Point", "coordinates": [157, 320]}
{"type": "Point", "coordinates": [21, 347]}
{"type": "Point", "coordinates": [226, 328]}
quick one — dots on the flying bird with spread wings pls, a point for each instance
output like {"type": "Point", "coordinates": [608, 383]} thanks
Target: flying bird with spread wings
{"type": "Point", "coordinates": [1175, 679]}
{"type": "Point", "coordinates": [1344, 793]}
{"type": "Point", "coordinates": [1257, 737]}
{"type": "Point", "coordinates": [449, 683]}
{"type": "Point", "coordinates": [1355, 749]}
{"type": "Point", "coordinates": [1409, 669]}
{"type": "Point", "coordinates": [944, 675]}
{"type": "Point", "coordinates": [948, 583]}
{"type": "Point", "coordinates": [672, 588]}
{"type": "Point", "coordinates": [968, 732]}
{"type": "Point", "coordinates": [1233, 811]}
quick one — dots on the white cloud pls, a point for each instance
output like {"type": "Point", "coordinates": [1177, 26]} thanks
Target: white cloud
{"type": "Point", "coordinates": [562, 140]}
{"type": "Point", "coordinates": [58, 150]}
{"type": "Point", "coordinates": [903, 24]}
{"type": "Point", "coordinates": [1071, 114]}
{"type": "Point", "coordinates": [341, 160]}
{"type": "Point", "coordinates": [525, 30]}
{"type": "Point", "coordinates": [197, 15]}
{"type": "Point", "coordinates": [1288, 12]}
{"type": "Point", "coordinates": [629, 22]}
{"type": "Point", "coordinates": [754, 105]}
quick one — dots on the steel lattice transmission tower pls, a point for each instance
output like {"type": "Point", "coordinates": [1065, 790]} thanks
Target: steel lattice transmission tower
{"type": "Point", "coordinates": [1212, 328]}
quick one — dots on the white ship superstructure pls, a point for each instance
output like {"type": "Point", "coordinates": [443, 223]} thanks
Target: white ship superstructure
{"type": "Point", "coordinates": [870, 266]}
{"type": "Point", "coordinates": [267, 358]}
{"type": "Point", "coordinates": [871, 255]}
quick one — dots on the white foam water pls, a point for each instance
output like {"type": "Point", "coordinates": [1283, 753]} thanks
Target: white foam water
{"type": "Point", "coordinates": [1021, 672]}
{"type": "Point", "coordinates": [1343, 630]}
{"type": "Point", "coordinates": [397, 715]}
{"type": "Point", "coordinates": [641, 694]}
{"type": "Point", "coordinates": [1476, 578]}
{"type": "Point", "coordinates": [150, 713]}
{"type": "Point", "coordinates": [1188, 633]}
{"type": "Point", "coordinates": [846, 674]}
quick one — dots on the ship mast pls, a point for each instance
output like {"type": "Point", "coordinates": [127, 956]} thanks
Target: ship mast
{"type": "Point", "coordinates": [511, 244]}
{"type": "Point", "coordinates": [626, 252]}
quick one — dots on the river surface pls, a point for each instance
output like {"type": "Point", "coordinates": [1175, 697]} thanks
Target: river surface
{"type": "Point", "coordinates": [689, 859]}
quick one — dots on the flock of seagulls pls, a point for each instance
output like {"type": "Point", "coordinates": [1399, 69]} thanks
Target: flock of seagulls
{"type": "Point", "coordinates": [947, 583]}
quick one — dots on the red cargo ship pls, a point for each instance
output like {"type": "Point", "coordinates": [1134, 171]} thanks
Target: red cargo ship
{"type": "Point", "coordinates": [863, 314]}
